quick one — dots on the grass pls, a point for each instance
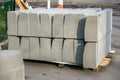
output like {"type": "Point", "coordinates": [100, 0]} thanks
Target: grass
{"type": "Point", "coordinates": [3, 33]}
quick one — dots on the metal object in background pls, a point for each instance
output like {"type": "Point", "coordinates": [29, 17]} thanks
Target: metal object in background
{"type": "Point", "coordinates": [7, 5]}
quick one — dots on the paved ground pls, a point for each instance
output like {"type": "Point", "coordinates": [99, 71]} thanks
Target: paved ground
{"type": "Point", "coordinates": [46, 71]}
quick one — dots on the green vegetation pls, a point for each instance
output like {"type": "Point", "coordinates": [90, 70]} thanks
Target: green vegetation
{"type": "Point", "coordinates": [3, 34]}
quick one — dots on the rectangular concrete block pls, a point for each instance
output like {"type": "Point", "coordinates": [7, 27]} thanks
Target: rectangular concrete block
{"type": "Point", "coordinates": [25, 47]}
{"type": "Point", "coordinates": [58, 22]}
{"type": "Point", "coordinates": [56, 51]}
{"type": "Point", "coordinates": [90, 56]}
{"type": "Point", "coordinates": [94, 53]}
{"type": "Point", "coordinates": [74, 26]}
{"type": "Point", "coordinates": [12, 22]}
{"type": "Point", "coordinates": [14, 75]}
{"type": "Point", "coordinates": [46, 17]}
{"type": "Point", "coordinates": [45, 49]}
{"type": "Point", "coordinates": [109, 41]}
{"type": "Point", "coordinates": [11, 65]}
{"type": "Point", "coordinates": [70, 25]}
{"type": "Point", "coordinates": [34, 49]}
{"type": "Point", "coordinates": [23, 24]}
{"type": "Point", "coordinates": [97, 26]}
{"type": "Point", "coordinates": [109, 18]}
{"type": "Point", "coordinates": [46, 23]}
{"type": "Point", "coordinates": [91, 28]}
{"type": "Point", "coordinates": [34, 24]}
{"type": "Point", "coordinates": [14, 43]}
{"type": "Point", "coordinates": [105, 45]}
{"type": "Point", "coordinates": [78, 51]}
{"type": "Point", "coordinates": [80, 26]}
{"type": "Point", "coordinates": [68, 51]}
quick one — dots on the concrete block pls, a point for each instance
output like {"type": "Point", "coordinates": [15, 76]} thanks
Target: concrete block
{"type": "Point", "coordinates": [56, 52]}
{"type": "Point", "coordinates": [34, 24]}
{"type": "Point", "coordinates": [97, 26]}
{"type": "Point", "coordinates": [11, 65]}
{"type": "Point", "coordinates": [108, 40]}
{"type": "Point", "coordinates": [68, 51]}
{"type": "Point", "coordinates": [24, 47]}
{"type": "Point", "coordinates": [81, 20]}
{"type": "Point", "coordinates": [87, 11]}
{"type": "Point", "coordinates": [109, 19]}
{"type": "Point", "coordinates": [58, 22]}
{"type": "Point", "coordinates": [94, 53]}
{"type": "Point", "coordinates": [14, 43]}
{"type": "Point", "coordinates": [46, 17]}
{"type": "Point", "coordinates": [79, 32]}
{"type": "Point", "coordinates": [70, 25]}
{"type": "Point", "coordinates": [46, 23]}
{"type": "Point", "coordinates": [78, 51]}
{"type": "Point", "coordinates": [34, 49]}
{"type": "Point", "coordinates": [23, 24]}
{"type": "Point", "coordinates": [74, 26]}
{"type": "Point", "coordinates": [90, 56]}
{"type": "Point", "coordinates": [105, 45]}
{"type": "Point", "coordinates": [91, 28]}
{"type": "Point", "coordinates": [12, 22]}
{"type": "Point", "coordinates": [45, 49]}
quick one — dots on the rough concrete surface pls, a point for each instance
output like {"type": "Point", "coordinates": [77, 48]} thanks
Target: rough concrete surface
{"type": "Point", "coordinates": [43, 71]}
{"type": "Point", "coordinates": [11, 65]}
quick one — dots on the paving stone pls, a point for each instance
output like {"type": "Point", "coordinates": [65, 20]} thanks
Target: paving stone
{"type": "Point", "coordinates": [45, 49]}
{"type": "Point", "coordinates": [78, 51]}
{"type": "Point", "coordinates": [12, 23]}
{"type": "Point", "coordinates": [34, 49]}
{"type": "Point", "coordinates": [11, 65]}
{"type": "Point", "coordinates": [13, 43]}
{"type": "Point", "coordinates": [68, 52]}
{"type": "Point", "coordinates": [56, 52]}
{"type": "Point", "coordinates": [24, 47]}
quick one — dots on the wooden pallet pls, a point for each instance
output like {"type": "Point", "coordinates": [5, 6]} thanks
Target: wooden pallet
{"type": "Point", "coordinates": [61, 65]}
{"type": "Point", "coordinates": [111, 54]}
{"type": "Point", "coordinates": [106, 61]}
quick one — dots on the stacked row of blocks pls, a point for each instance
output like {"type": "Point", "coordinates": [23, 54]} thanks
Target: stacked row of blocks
{"type": "Point", "coordinates": [76, 36]}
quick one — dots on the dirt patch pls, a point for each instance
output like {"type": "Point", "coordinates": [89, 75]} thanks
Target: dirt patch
{"type": "Point", "coordinates": [78, 5]}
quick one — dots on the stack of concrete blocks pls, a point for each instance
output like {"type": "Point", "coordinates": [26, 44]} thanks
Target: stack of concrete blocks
{"type": "Point", "coordinates": [11, 65]}
{"type": "Point", "coordinates": [98, 30]}
{"type": "Point", "coordinates": [56, 35]}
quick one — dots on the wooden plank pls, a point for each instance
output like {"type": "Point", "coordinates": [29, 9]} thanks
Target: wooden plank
{"type": "Point", "coordinates": [106, 59]}
{"type": "Point", "coordinates": [112, 52]}
{"type": "Point", "coordinates": [104, 63]}
{"type": "Point", "coordinates": [61, 65]}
